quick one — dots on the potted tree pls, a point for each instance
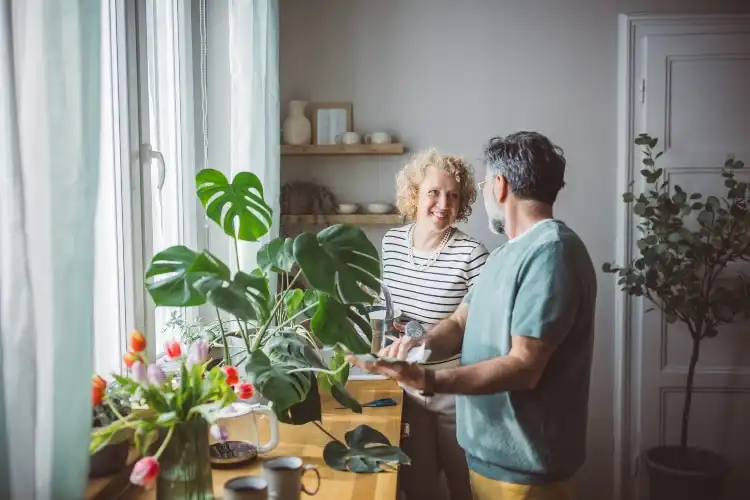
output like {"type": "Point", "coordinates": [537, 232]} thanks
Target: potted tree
{"type": "Point", "coordinates": [686, 244]}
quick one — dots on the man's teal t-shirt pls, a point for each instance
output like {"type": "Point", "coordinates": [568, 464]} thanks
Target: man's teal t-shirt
{"type": "Point", "coordinates": [541, 284]}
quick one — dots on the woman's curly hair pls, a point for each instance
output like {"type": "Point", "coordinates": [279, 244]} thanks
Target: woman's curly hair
{"type": "Point", "coordinates": [413, 173]}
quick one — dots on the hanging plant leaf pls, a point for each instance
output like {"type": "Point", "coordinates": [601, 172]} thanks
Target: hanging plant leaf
{"type": "Point", "coordinates": [292, 350]}
{"type": "Point", "coordinates": [247, 296]}
{"type": "Point", "coordinates": [172, 274]}
{"type": "Point", "coordinates": [277, 256]}
{"type": "Point", "coordinates": [335, 384]}
{"type": "Point", "coordinates": [274, 383]}
{"type": "Point", "coordinates": [369, 450]}
{"type": "Point", "coordinates": [308, 410]}
{"type": "Point", "coordinates": [335, 323]}
{"type": "Point", "coordinates": [338, 261]}
{"type": "Point", "coordinates": [238, 208]}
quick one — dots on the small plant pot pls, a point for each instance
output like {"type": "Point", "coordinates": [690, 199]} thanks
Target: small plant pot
{"type": "Point", "coordinates": [689, 474]}
{"type": "Point", "coordinates": [113, 457]}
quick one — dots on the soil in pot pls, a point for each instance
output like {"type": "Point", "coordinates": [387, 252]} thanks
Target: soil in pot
{"type": "Point", "coordinates": [689, 474]}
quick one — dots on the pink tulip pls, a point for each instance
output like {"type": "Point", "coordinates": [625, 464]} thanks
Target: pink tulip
{"type": "Point", "coordinates": [219, 433]}
{"type": "Point", "coordinates": [145, 472]}
{"type": "Point", "coordinates": [138, 372]}
{"type": "Point", "coordinates": [198, 353]}
{"type": "Point", "coordinates": [156, 375]}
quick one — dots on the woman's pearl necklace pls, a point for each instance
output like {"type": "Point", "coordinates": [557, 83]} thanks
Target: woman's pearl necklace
{"type": "Point", "coordinates": [431, 260]}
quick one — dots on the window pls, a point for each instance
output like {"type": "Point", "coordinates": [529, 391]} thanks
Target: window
{"type": "Point", "coordinates": [146, 199]}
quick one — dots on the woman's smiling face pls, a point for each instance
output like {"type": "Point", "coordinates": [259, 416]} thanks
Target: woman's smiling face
{"type": "Point", "coordinates": [439, 199]}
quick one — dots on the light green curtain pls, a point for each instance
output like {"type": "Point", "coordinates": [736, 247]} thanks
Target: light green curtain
{"type": "Point", "coordinates": [49, 148]}
{"type": "Point", "coordinates": [254, 99]}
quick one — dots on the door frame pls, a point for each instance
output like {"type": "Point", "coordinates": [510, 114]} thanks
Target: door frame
{"type": "Point", "coordinates": [627, 360]}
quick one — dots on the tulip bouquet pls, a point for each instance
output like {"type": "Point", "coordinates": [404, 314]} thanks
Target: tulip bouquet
{"type": "Point", "coordinates": [170, 414]}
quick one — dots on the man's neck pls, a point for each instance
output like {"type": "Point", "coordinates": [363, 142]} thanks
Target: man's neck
{"type": "Point", "coordinates": [427, 239]}
{"type": "Point", "coordinates": [524, 216]}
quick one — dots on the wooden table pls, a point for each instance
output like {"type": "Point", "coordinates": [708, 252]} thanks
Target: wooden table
{"type": "Point", "coordinates": [307, 442]}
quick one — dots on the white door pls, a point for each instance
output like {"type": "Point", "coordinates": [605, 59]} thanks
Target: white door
{"type": "Point", "coordinates": [692, 91]}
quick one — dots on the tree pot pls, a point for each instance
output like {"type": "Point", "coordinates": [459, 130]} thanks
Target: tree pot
{"type": "Point", "coordinates": [113, 457]}
{"type": "Point", "coordinates": [687, 474]}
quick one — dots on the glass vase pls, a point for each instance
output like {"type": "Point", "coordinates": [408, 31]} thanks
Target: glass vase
{"type": "Point", "coordinates": [185, 465]}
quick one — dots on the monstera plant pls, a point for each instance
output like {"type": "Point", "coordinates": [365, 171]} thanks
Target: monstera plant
{"type": "Point", "coordinates": [283, 357]}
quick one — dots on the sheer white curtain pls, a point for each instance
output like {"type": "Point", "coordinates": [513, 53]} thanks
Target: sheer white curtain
{"type": "Point", "coordinates": [49, 137]}
{"type": "Point", "coordinates": [254, 97]}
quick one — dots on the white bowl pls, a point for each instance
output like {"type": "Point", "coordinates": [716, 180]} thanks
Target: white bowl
{"type": "Point", "coordinates": [379, 208]}
{"type": "Point", "coordinates": [348, 208]}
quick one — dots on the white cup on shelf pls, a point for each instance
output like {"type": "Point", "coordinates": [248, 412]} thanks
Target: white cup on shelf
{"type": "Point", "coordinates": [348, 138]}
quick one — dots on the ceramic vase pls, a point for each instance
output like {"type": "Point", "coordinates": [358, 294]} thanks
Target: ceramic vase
{"type": "Point", "coordinates": [297, 128]}
{"type": "Point", "coordinates": [185, 464]}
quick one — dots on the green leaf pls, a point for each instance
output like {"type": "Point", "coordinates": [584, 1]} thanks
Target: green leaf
{"type": "Point", "coordinates": [642, 140]}
{"type": "Point", "coordinates": [307, 410]}
{"type": "Point", "coordinates": [172, 274]}
{"type": "Point", "coordinates": [338, 261]}
{"type": "Point", "coordinates": [277, 256]}
{"type": "Point", "coordinates": [238, 208]}
{"type": "Point", "coordinates": [167, 419]}
{"type": "Point", "coordinates": [275, 384]}
{"type": "Point", "coordinates": [695, 196]}
{"type": "Point", "coordinates": [730, 183]}
{"type": "Point", "coordinates": [293, 301]}
{"type": "Point", "coordinates": [247, 296]}
{"type": "Point", "coordinates": [628, 197]}
{"type": "Point", "coordinates": [607, 267]}
{"type": "Point", "coordinates": [336, 323]}
{"type": "Point", "coordinates": [341, 394]}
{"type": "Point", "coordinates": [368, 451]}
{"type": "Point", "coordinates": [292, 350]}
{"type": "Point", "coordinates": [639, 208]}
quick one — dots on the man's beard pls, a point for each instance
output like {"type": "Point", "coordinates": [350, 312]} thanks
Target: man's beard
{"type": "Point", "coordinates": [497, 226]}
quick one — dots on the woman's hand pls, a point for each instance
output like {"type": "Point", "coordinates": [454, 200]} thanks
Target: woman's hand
{"type": "Point", "coordinates": [410, 374]}
{"type": "Point", "coordinates": [401, 347]}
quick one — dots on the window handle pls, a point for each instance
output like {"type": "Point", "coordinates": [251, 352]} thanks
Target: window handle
{"type": "Point", "coordinates": [148, 154]}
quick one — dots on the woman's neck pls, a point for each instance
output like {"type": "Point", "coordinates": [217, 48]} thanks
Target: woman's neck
{"type": "Point", "coordinates": [427, 239]}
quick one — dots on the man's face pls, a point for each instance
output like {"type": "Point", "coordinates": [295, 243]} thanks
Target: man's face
{"type": "Point", "coordinates": [495, 212]}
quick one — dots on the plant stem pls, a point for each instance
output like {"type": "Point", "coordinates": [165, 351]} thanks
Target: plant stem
{"type": "Point", "coordinates": [325, 431]}
{"type": "Point", "coordinates": [689, 392]}
{"type": "Point", "coordinates": [236, 252]}
{"type": "Point", "coordinates": [227, 358]}
{"type": "Point", "coordinates": [165, 442]}
{"type": "Point", "coordinates": [290, 320]}
{"type": "Point", "coordinates": [262, 331]}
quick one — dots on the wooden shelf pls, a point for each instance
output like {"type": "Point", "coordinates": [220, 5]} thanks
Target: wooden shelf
{"type": "Point", "coordinates": [343, 149]}
{"type": "Point", "coordinates": [329, 219]}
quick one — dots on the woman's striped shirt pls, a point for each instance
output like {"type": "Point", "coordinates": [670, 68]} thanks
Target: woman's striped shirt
{"type": "Point", "coordinates": [434, 293]}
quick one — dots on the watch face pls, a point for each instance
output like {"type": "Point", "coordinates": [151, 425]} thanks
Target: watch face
{"type": "Point", "coordinates": [414, 329]}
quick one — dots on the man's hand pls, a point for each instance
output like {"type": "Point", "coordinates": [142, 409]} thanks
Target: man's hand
{"type": "Point", "coordinates": [410, 374]}
{"type": "Point", "coordinates": [400, 348]}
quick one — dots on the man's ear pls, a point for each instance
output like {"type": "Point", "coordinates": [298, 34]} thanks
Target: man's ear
{"type": "Point", "coordinates": [502, 188]}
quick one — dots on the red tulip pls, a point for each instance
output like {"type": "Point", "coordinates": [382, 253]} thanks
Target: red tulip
{"type": "Point", "coordinates": [137, 341]}
{"type": "Point", "coordinates": [173, 349]}
{"type": "Point", "coordinates": [145, 472]}
{"type": "Point", "coordinates": [231, 373]}
{"type": "Point", "coordinates": [244, 391]}
{"type": "Point", "coordinates": [97, 396]}
{"type": "Point", "coordinates": [98, 382]}
{"type": "Point", "coordinates": [129, 358]}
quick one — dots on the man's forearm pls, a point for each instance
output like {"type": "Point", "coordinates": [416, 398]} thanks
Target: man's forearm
{"type": "Point", "coordinates": [505, 373]}
{"type": "Point", "coordinates": [445, 338]}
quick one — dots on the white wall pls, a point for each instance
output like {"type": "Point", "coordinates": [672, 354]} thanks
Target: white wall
{"type": "Point", "coordinates": [452, 75]}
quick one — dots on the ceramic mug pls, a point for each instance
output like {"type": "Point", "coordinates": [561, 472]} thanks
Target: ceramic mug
{"type": "Point", "coordinates": [284, 478]}
{"type": "Point", "coordinates": [378, 138]}
{"type": "Point", "coordinates": [347, 138]}
{"type": "Point", "coordinates": [241, 422]}
{"type": "Point", "coordinates": [246, 488]}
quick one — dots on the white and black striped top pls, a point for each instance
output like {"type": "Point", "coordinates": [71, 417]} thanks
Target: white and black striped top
{"type": "Point", "coordinates": [434, 293]}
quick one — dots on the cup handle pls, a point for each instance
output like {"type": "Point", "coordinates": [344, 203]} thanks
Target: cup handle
{"type": "Point", "coordinates": [273, 423]}
{"type": "Point", "coordinates": [368, 138]}
{"type": "Point", "coordinates": [317, 476]}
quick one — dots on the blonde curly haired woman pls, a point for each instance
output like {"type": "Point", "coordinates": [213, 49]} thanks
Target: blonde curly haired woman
{"type": "Point", "coordinates": [428, 267]}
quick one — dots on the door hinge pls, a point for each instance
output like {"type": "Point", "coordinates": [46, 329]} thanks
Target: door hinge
{"type": "Point", "coordinates": [643, 90]}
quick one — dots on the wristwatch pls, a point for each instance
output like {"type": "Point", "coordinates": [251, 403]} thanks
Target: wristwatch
{"type": "Point", "coordinates": [414, 329]}
{"type": "Point", "coordinates": [429, 383]}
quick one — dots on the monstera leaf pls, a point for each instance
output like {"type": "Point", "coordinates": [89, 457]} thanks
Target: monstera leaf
{"type": "Point", "coordinates": [335, 384]}
{"type": "Point", "coordinates": [273, 382]}
{"type": "Point", "coordinates": [277, 256]}
{"type": "Point", "coordinates": [368, 450]}
{"type": "Point", "coordinates": [338, 261]}
{"type": "Point", "coordinates": [247, 296]}
{"type": "Point", "coordinates": [336, 323]}
{"type": "Point", "coordinates": [238, 207]}
{"type": "Point", "coordinates": [172, 274]}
